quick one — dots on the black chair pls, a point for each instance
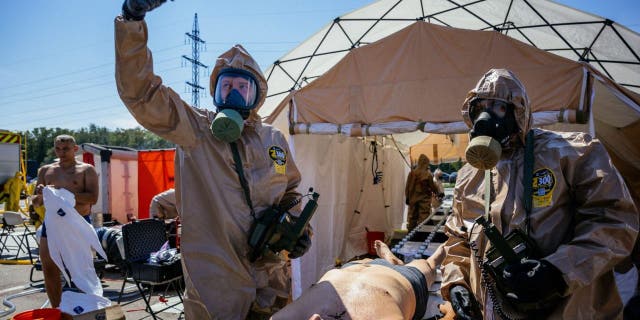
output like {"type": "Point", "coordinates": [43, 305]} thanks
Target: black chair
{"type": "Point", "coordinates": [141, 238]}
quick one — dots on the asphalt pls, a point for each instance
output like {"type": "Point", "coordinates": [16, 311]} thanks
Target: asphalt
{"type": "Point", "coordinates": [22, 288]}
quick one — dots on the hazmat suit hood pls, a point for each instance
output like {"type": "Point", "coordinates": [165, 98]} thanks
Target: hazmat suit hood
{"type": "Point", "coordinates": [238, 58]}
{"type": "Point", "coordinates": [423, 162]}
{"type": "Point", "coordinates": [501, 84]}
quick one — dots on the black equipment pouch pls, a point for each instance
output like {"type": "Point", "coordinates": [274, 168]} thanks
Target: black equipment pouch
{"type": "Point", "coordinates": [505, 250]}
{"type": "Point", "coordinates": [261, 231]}
{"type": "Point", "coordinates": [277, 230]}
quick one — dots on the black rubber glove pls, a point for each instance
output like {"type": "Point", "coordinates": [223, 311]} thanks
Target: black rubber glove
{"type": "Point", "coordinates": [302, 246]}
{"type": "Point", "coordinates": [136, 9]}
{"type": "Point", "coordinates": [464, 303]}
{"type": "Point", "coordinates": [533, 281]}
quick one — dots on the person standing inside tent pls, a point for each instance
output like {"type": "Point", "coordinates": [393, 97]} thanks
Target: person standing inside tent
{"type": "Point", "coordinates": [230, 169]}
{"type": "Point", "coordinates": [418, 192]}
{"type": "Point", "coordinates": [79, 178]}
{"type": "Point", "coordinates": [557, 195]}
{"type": "Point", "coordinates": [438, 196]}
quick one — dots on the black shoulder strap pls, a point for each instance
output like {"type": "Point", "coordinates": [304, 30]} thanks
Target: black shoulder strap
{"type": "Point", "coordinates": [240, 172]}
{"type": "Point", "coordinates": [527, 178]}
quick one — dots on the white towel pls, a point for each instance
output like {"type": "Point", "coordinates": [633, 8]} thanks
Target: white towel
{"type": "Point", "coordinates": [70, 238]}
{"type": "Point", "coordinates": [75, 303]}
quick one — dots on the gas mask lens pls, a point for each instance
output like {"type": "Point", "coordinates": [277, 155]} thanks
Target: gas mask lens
{"type": "Point", "coordinates": [236, 89]}
{"type": "Point", "coordinates": [497, 108]}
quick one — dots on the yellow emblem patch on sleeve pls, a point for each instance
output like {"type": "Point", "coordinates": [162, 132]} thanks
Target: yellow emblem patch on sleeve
{"type": "Point", "coordinates": [544, 181]}
{"type": "Point", "coordinates": [279, 158]}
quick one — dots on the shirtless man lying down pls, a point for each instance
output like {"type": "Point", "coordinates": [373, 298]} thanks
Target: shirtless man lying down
{"type": "Point", "coordinates": [383, 288]}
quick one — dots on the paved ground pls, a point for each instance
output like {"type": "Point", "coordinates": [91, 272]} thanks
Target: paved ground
{"type": "Point", "coordinates": [19, 293]}
{"type": "Point", "coordinates": [22, 290]}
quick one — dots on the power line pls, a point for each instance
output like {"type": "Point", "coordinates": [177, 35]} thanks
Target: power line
{"type": "Point", "coordinates": [110, 64]}
{"type": "Point", "coordinates": [110, 74]}
{"type": "Point", "coordinates": [65, 105]}
{"type": "Point", "coordinates": [80, 115]}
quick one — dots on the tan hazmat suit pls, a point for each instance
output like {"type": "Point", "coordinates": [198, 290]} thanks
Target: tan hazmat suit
{"type": "Point", "coordinates": [583, 219]}
{"type": "Point", "coordinates": [418, 192]}
{"type": "Point", "coordinates": [221, 283]}
{"type": "Point", "coordinates": [163, 205]}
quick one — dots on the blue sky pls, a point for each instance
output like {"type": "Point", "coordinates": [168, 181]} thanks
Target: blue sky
{"type": "Point", "coordinates": [57, 62]}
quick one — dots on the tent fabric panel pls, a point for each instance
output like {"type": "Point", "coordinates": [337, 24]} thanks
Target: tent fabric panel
{"type": "Point", "coordinates": [155, 174]}
{"type": "Point", "coordinates": [609, 110]}
{"type": "Point", "coordinates": [431, 66]}
{"type": "Point", "coordinates": [339, 169]}
{"type": "Point", "coordinates": [525, 21]}
{"type": "Point", "coordinates": [440, 148]}
{"type": "Point", "coordinates": [625, 152]}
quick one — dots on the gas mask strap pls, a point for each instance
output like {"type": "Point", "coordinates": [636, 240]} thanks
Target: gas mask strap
{"type": "Point", "coordinates": [527, 178]}
{"type": "Point", "coordinates": [487, 194]}
{"type": "Point", "coordinates": [243, 180]}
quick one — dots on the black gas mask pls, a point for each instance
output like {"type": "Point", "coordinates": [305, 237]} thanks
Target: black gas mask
{"type": "Point", "coordinates": [494, 122]}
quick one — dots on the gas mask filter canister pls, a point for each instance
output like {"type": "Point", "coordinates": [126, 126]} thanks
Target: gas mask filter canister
{"type": "Point", "coordinates": [491, 130]}
{"type": "Point", "coordinates": [483, 152]}
{"type": "Point", "coordinates": [227, 125]}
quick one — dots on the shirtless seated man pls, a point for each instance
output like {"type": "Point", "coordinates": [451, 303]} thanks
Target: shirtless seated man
{"type": "Point", "coordinates": [383, 288]}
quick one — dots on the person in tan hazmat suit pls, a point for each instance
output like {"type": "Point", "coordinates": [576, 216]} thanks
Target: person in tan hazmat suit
{"type": "Point", "coordinates": [215, 151]}
{"type": "Point", "coordinates": [418, 192]}
{"type": "Point", "coordinates": [163, 205]}
{"type": "Point", "coordinates": [578, 214]}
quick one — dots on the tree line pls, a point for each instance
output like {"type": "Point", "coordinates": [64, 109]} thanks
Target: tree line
{"type": "Point", "coordinates": [40, 140]}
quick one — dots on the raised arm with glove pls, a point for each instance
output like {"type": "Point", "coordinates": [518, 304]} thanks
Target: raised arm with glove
{"type": "Point", "coordinates": [136, 9]}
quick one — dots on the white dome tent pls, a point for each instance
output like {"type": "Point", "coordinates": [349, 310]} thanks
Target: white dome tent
{"type": "Point", "coordinates": [343, 83]}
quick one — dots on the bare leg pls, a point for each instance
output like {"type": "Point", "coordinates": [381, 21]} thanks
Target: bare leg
{"type": "Point", "coordinates": [429, 266]}
{"type": "Point", "coordinates": [383, 252]}
{"type": "Point", "coordinates": [52, 280]}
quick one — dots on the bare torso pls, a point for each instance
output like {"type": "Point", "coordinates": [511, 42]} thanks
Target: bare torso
{"type": "Point", "coordinates": [350, 293]}
{"type": "Point", "coordinates": [80, 179]}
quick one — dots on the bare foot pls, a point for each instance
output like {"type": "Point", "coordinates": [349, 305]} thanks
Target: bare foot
{"type": "Point", "coordinates": [383, 252]}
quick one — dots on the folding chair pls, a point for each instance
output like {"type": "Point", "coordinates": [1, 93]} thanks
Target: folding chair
{"type": "Point", "coordinates": [141, 238]}
{"type": "Point", "coordinates": [11, 221]}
